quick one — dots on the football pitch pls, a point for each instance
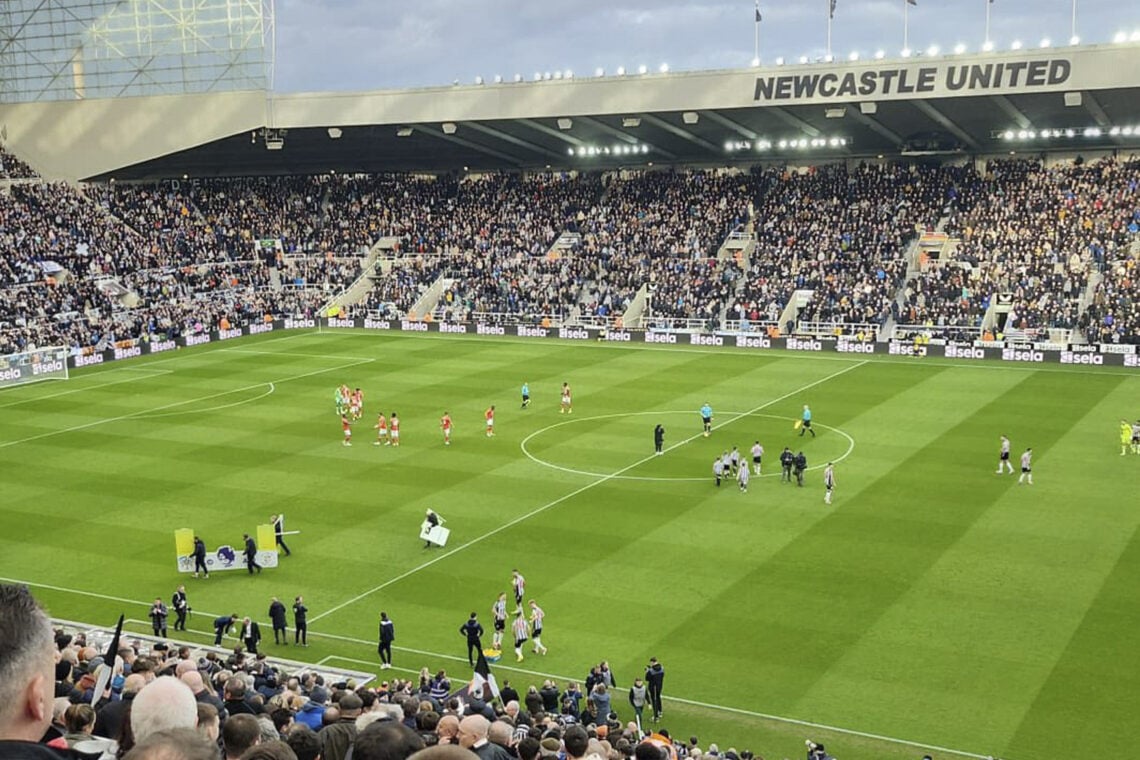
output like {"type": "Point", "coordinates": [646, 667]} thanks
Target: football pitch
{"type": "Point", "coordinates": [934, 601]}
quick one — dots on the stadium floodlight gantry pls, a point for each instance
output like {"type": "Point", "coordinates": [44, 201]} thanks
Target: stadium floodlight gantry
{"type": "Point", "coordinates": [78, 49]}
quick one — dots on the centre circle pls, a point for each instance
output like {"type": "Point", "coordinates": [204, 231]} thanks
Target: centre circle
{"type": "Point", "coordinates": [619, 475]}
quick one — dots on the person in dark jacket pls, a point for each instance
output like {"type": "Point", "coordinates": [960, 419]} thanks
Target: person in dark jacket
{"type": "Point", "coordinates": [787, 459]}
{"type": "Point", "coordinates": [549, 694]}
{"type": "Point", "coordinates": [474, 633]}
{"type": "Point", "coordinates": [200, 558]}
{"type": "Point", "coordinates": [250, 554]}
{"type": "Point", "coordinates": [801, 465]}
{"type": "Point", "coordinates": [181, 606]}
{"type": "Point", "coordinates": [654, 681]}
{"type": "Point", "coordinates": [221, 626]}
{"type": "Point", "coordinates": [387, 636]}
{"type": "Point", "coordinates": [300, 622]}
{"type": "Point", "coordinates": [250, 634]}
{"type": "Point", "coordinates": [277, 617]}
{"type": "Point", "coordinates": [658, 438]}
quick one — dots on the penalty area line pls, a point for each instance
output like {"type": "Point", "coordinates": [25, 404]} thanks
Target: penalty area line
{"type": "Point", "coordinates": [142, 414]}
{"type": "Point", "coordinates": [577, 491]}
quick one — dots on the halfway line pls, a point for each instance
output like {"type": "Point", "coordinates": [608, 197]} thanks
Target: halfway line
{"type": "Point", "coordinates": [577, 491]}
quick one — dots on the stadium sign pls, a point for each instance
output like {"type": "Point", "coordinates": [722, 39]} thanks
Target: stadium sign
{"type": "Point", "coordinates": [1107, 355]}
{"type": "Point", "coordinates": [935, 80]}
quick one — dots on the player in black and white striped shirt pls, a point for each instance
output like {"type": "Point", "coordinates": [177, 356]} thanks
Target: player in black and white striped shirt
{"type": "Point", "coordinates": [499, 613]}
{"type": "Point", "coordinates": [536, 618]}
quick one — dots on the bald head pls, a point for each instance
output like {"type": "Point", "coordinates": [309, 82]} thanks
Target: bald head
{"type": "Point", "coordinates": [472, 729]}
{"type": "Point", "coordinates": [500, 733]}
{"type": "Point", "coordinates": [164, 703]}
{"type": "Point", "coordinates": [193, 679]}
{"type": "Point", "coordinates": [133, 683]}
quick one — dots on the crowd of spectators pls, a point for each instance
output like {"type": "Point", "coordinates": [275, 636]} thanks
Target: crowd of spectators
{"type": "Point", "coordinates": [103, 263]}
{"type": "Point", "coordinates": [12, 167]}
{"type": "Point", "coordinates": [842, 232]}
{"type": "Point", "coordinates": [226, 704]}
{"type": "Point", "coordinates": [1035, 236]}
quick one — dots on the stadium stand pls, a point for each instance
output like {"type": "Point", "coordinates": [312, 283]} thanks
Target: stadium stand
{"type": "Point", "coordinates": [1029, 250]}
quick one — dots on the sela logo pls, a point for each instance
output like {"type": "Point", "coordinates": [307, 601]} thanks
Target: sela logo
{"type": "Point", "coordinates": [1131, 360]}
{"type": "Point", "coordinates": [197, 340]}
{"type": "Point", "coordinates": [696, 339]}
{"type": "Point", "coordinates": [572, 333]}
{"type": "Point", "coordinates": [855, 347]}
{"type": "Point", "coordinates": [335, 322]}
{"type": "Point", "coordinates": [377, 324]}
{"type": "Point", "coordinates": [1117, 348]}
{"type": "Point", "coordinates": [905, 349]}
{"type": "Point", "coordinates": [619, 335]}
{"type": "Point", "coordinates": [407, 326]}
{"type": "Point", "coordinates": [656, 337]}
{"type": "Point", "coordinates": [1014, 355]}
{"type": "Point", "coordinates": [964, 352]}
{"type": "Point", "coordinates": [260, 327]}
{"type": "Point", "coordinates": [55, 365]}
{"type": "Point", "coordinates": [297, 324]}
{"type": "Point", "coordinates": [86, 360]}
{"type": "Point", "coordinates": [127, 353]}
{"type": "Point", "coordinates": [159, 346]}
{"type": "Point", "coordinates": [448, 327]}
{"type": "Point", "coordinates": [1083, 349]}
{"type": "Point", "coordinates": [230, 334]}
{"type": "Point", "coordinates": [482, 329]}
{"type": "Point", "coordinates": [795, 344]}
{"type": "Point", "coordinates": [1070, 357]}
{"type": "Point", "coordinates": [743, 341]}
{"type": "Point", "coordinates": [531, 332]}
{"type": "Point", "coordinates": [14, 373]}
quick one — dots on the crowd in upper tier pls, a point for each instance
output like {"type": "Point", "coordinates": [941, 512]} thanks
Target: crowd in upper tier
{"type": "Point", "coordinates": [96, 264]}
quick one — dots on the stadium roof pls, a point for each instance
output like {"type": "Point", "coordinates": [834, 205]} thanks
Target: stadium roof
{"type": "Point", "coordinates": [1072, 99]}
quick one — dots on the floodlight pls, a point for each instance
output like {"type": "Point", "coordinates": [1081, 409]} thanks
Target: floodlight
{"type": "Point", "coordinates": [906, 52]}
{"type": "Point", "coordinates": [988, 46]}
{"type": "Point", "coordinates": [1046, 43]}
{"type": "Point", "coordinates": [959, 48]}
{"type": "Point", "coordinates": [664, 68]}
{"type": "Point", "coordinates": [1016, 45]}
{"type": "Point", "coordinates": [335, 133]}
{"type": "Point", "coordinates": [1120, 37]}
{"type": "Point", "coordinates": [565, 124]}
{"type": "Point", "coordinates": [643, 69]}
{"type": "Point", "coordinates": [599, 72]}
{"type": "Point", "coordinates": [854, 56]}
{"type": "Point", "coordinates": [780, 61]}
{"type": "Point", "coordinates": [690, 117]}
{"type": "Point", "coordinates": [755, 61]}
{"type": "Point", "coordinates": [449, 127]}
{"type": "Point", "coordinates": [479, 80]}
{"type": "Point", "coordinates": [932, 50]}
{"type": "Point", "coordinates": [880, 55]}
{"type": "Point", "coordinates": [1074, 40]}
{"type": "Point", "coordinates": [621, 71]}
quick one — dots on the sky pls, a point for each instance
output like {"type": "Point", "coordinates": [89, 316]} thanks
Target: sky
{"type": "Point", "coordinates": [327, 45]}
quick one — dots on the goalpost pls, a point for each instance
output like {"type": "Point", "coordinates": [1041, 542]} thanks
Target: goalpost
{"type": "Point", "coordinates": [33, 366]}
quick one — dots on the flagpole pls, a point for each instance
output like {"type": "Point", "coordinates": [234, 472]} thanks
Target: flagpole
{"type": "Point", "coordinates": [1073, 36]}
{"type": "Point", "coordinates": [987, 39]}
{"type": "Point", "coordinates": [906, 26]}
{"type": "Point", "coordinates": [756, 46]}
{"type": "Point", "coordinates": [829, 17]}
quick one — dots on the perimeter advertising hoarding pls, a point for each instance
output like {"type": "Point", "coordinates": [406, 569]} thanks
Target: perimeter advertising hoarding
{"type": "Point", "coordinates": [1090, 356]}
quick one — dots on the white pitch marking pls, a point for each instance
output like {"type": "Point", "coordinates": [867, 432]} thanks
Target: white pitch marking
{"type": "Point", "coordinates": [572, 471]}
{"type": "Point", "coordinates": [137, 415]}
{"type": "Point", "coordinates": [293, 353]}
{"type": "Point", "coordinates": [89, 387]}
{"type": "Point", "coordinates": [218, 408]}
{"type": "Point", "coordinates": [437, 655]}
{"type": "Point", "coordinates": [572, 494]}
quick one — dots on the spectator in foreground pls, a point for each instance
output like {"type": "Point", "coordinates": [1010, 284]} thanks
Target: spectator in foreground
{"type": "Point", "coordinates": [27, 661]}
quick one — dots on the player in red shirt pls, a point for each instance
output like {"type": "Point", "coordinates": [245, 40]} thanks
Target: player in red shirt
{"type": "Point", "coordinates": [567, 404]}
{"type": "Point", "coordinates": [381, 430]}
{"type": "Point", "coordinates": [445, 424]}
{"type": "Point", "coordinates": [346, 425]}
{"type": "Point", "coordinates": [489, 415]}
{"type": "Point", "coordinates": [394, 429]}
{"type": "Point", "coordinates": [357, 404]}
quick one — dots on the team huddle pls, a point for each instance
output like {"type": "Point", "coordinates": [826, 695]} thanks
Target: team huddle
{"type": "Point", "coordinates": [523, 628]}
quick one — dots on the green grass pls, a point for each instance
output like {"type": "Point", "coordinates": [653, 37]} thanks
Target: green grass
{"type": "Point", "coordinates": [934, 601]}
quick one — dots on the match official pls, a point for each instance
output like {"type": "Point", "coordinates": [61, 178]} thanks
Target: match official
{"type": "Point", "coordinates": [250, 554]}
{"type": "Point", "coordinates": [658, 439]}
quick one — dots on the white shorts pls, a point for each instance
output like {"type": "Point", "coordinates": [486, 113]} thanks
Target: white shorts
{"type": "Point", "coordinates": [382, 433]}
{"type": "Point", "coordinates": [565, 399]}
{"type": "Point", "coordinates": [348, 434]}
{"type": "Point", "coordinates": [490, 423]}
{"type": "Point", "coordinates": [395, 435]}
